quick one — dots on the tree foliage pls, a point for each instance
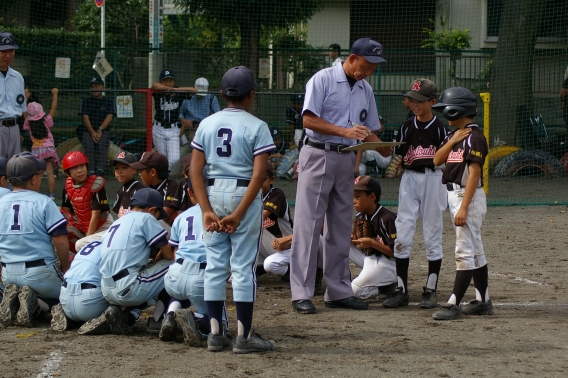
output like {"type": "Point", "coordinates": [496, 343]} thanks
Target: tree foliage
{"type": "Point", "coordinates": [449, 39]}
{"type": "Point", "coordinates": [251, 16]}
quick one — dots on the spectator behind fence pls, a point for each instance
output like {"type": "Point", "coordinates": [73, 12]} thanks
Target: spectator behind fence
{"type": "Point", "coordinates": [334, 51]}
{"type": "Point", "coordinates": [166, 132]}
{"type": "Point", "coordinates": [38, 124]}
{"type": "Point", "coordinates": [12, 99]}
{"type": "Point", "coordinates": [97, 113]}
{"type": "Point", "coordinates": [294, 116]}
{"type": "Point", "coordinates": [195, 109]}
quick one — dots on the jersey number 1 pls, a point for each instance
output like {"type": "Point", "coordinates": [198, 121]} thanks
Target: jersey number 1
{"type": "Point", "coordinates": [16, 225]}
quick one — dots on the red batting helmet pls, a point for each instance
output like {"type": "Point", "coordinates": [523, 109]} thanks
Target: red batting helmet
{"type": "Point", "coordinates": [73, 159]}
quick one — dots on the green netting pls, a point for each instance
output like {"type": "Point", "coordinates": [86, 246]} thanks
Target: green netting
{"type": "Point", "coordinates": [516, 50]}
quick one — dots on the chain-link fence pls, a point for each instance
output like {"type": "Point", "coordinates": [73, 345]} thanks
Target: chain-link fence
{"type": "Point", "coordinates": [478, 44]}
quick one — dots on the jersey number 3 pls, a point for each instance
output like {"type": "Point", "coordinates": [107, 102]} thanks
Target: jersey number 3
{"type": "Point", "coordinates": [227, 135]}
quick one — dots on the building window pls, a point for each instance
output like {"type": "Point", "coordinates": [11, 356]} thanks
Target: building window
{"type": "Point", "coordinates": [552, 26]}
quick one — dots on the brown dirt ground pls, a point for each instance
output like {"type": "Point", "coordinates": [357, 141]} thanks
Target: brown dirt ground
{"type": "Point", "coordinates": [526, 248]}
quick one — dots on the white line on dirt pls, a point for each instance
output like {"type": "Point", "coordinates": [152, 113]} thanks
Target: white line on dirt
{"type": "Point", "coordinates": [51, 364]}
{"type": "Point", "coordinates": [517, 278]}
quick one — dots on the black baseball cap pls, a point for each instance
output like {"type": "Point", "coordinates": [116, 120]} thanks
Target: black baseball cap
{"type": "Point", "coordinates": [275, 132]}
{"type": "Point", "coordinates": [7, 41]}
{"type": "Point", "coordinates": [152, 159]}
{"type": "Point", "coordinates": [422, 90]}
{"type": "Point", "coordinates": [125, 158]}
{"type": "Point", "coordinates": [97, 80]}
{"type": "Point", "coordinates": [368, 184]}
{"type": "Point", "coordinates": [369, 49]}
{"type": "Point", "coordinates": [238, 81]}
{"type": "Point", "coordinates": [148, 197]}
{"type": "Point", "coordinates": [165, 74]}
{"type": "Point", "coordinates": [297, 98]}
{"type": "Point", "coordinates": [22, 167]}
{"type": "Point", "coordinates": [3, 162]}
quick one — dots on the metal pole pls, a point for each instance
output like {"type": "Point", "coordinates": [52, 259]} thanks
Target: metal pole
{"type": "Point", "coordinates": [103, 29]}
{"type": "Point", "coordinates": [486, 98]}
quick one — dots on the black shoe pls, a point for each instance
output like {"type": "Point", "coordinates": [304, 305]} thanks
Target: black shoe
{"type": "Point", "coordinates": [397, 299]}
{"type": "Point", "coordinates": [349, 302]}
{"type": "Point", "coordinates": [386, 291]}
{"type": "Point", "coordinates": [319, 290]}
{"type": "Point", "coordinates": [304, 306]}
{"type": "Point", "coordinates": [169, 328]}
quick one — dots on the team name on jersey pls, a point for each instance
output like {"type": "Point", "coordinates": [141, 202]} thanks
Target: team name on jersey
{"type": "Point", "coordinates": [419, 153]}
{"type": "Point", "coordinates": [270, 204]}
{"type": "Point", "coordinates": [455, 156]}
{"type": "Point", "coordinates": [477, 153]}
{"type": "Point", "coordinates": [168, 105]}
{"type": "Point", "coordinates": [268, 223]}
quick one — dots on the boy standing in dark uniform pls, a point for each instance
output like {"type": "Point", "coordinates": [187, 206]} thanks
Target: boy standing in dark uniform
{"type": "Point", "coordinates": [124, 173]}
{"type": "Point", "coordinates": [464, 151]}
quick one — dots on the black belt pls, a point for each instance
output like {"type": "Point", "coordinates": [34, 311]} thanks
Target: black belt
{"type": "Point", "coordinates": [9, 122]}
{"type": "Point", "coordinates": [166, 126]}
{"type": "Point", "coordinates": [120, 275]}
{"type": "Point", "coordinates": [32, 264]}
{"type": "Point", "coordinates": [332, 147]}
{"type": "Point", "coordinates": [450, 186]}
{"type": "Point", "coordinates": [420, 169]}
{"type": "Point", "coordinates": [240, 182]}
{"type": "Point", "coordinates": [202, 265]}
{"type": "Point", "coordinates": [84, 285]}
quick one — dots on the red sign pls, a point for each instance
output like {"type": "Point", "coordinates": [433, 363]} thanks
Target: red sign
{"type": "Point", "coordinates": [99, 3]}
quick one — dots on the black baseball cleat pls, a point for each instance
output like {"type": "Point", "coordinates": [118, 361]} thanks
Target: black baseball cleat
{"type": "Point", "coordinates": [478, 308]}
{"type": "Point", "coordinates": [9, 306]}
{"type": "Point", "coordinates": [396, 299]}
{"type": "Point", "coordinates": [304, 306]}
{"type": "Point", "coordinates": [448, 312]}
{"type": "Point", "coordinates": [169, 328]}
{"type": "Point", "coordinates": [191, 334]}
{"type": "Point", "coordinates": [429, 298]}
{"type": "Point", "coordinates": [351, 303]}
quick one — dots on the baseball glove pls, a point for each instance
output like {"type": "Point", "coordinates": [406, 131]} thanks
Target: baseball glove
{"type": "Point", "coordinates": [394, 169]}
{"type": "Point", "coordinates": [363, 229]}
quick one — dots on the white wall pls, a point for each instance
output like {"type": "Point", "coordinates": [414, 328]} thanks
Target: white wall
{"type": "Point", "coordinates": [331, 25]}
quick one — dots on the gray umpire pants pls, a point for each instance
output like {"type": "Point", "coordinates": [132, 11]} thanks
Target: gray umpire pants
{"type": "Point", "coordinates": [324, 196]}
{"type": "Point", "coordinates": [96, 152]}
{"type": "Point", "coordinates": [9, 141]}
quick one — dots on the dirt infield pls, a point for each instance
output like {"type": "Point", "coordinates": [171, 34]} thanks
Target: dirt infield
{"type": "Point", "coordinates": [526, 248]}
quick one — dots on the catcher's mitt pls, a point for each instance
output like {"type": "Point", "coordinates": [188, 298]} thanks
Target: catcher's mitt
{"type": "Point", "coordinates": [363, 229]}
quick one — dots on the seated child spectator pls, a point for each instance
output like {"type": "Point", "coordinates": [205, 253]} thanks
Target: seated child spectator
{"type": "Point", "coordinates": [85, 202]}
{"type": "Point", "coordinates": [294, 116]}
{"type": "Point", "coordinates": [29, 230]}
{"type": "Point", "coordinates": [378, 277]}
{"type": "Point", "coordinates": [281, 147]}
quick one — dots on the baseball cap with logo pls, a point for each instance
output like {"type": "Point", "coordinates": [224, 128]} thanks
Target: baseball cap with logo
{"type": "Point", "coordinates": [276, 133]}
{"type": "Point", "coordinates": [368, 184]}
{"type": "Point", "coordinates": [165, 74]}
{"type": "Point", "coordinates": [7, 41]}
{"type": "Point", "coordinates": [202, 86]}
{"type": "Point", "coordinates": [125, 158]}
{"type": "Point", "coordinates": [297, 98]}
{"type": "Point", "coordinates": [97, 80]}
{"type": "Point", "coordinates": [238, 81]}
{"type": "Point", "coordinates": [371, 50]}
{"type": "Point", "coordinates": [3, 162]}
{"type": "Point", "coordinates": [22, 167]}
{"type": "Point", "coordinates": [35, 111]}
{"type": "Point", "coordinates": [147, 197]}
{"type": "Point", "coordinates": [152, 159]}
{"type": "Point", "coordinates": [422, 90]}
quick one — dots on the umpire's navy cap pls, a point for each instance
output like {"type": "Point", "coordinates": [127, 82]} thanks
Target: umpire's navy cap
{"type": "Point", "coordinates": [148, 197]}
{"type": "Point", "coordinates": [3, 162]}
{"type": "Point", "coordinates": [7, 41]}
{"type": "Point", "coordinates": [22, 167]}
{"type": "Point", "coordinates": [371, 50]}
{"type": "Point", "coordinates": [368, 184]}
{"type": "Point", "coordinates": [238, 81]}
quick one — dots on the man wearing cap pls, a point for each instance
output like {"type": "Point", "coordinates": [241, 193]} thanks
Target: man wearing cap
{"type": "Point", "coordinates": [339, 110]}
{"type": "Point", "coordinates": [97, 113]}
{"type": "Point", "coordinates": [31, 226]}
{"type": "Point", "coordinates": [12, 98]}
{"type": "Point", "coordinates": [167, 132]}
{"type": "Point", "coordinates": [202, 105]}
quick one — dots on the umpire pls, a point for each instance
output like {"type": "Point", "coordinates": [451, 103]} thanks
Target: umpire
{"type": "Point", "coordinates": [12, 99]}
{"type": "Point", "coordinates": [339, 110]}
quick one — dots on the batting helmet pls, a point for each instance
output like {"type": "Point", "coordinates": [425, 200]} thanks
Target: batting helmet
{"type": "Point", "coordinates": [73, 159]}
{"type": "Point", "coordinates": [456, 102]}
